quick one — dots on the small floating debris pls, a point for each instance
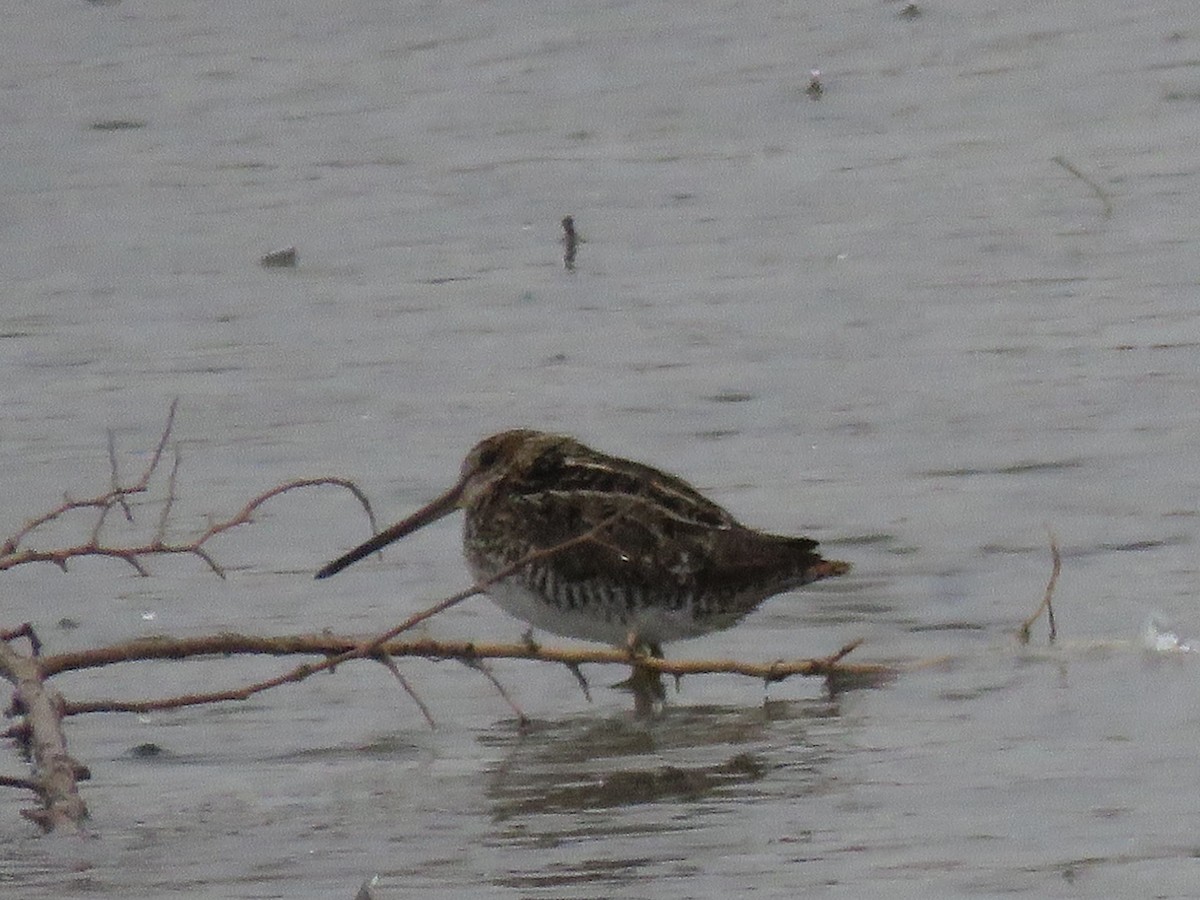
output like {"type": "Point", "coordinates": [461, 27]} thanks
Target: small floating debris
{"type": "Point", "coordinates": [815, 89]}
{"type": "Point", "coordinates": [911, 11]}
{"type": "Point", "coordinates": [570, 242]}
{"type": "Point", "coordinates": [280, 259]}
{"type": "Point", "coordinates": [1157, 639]}
{"type": "Point", "coordinates": [117, 125]}
{"type": "Point", "coordinates": [730, 397]}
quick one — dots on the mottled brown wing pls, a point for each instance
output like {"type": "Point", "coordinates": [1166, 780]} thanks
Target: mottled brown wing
{"type": "Point", "coordinates": [645, 546]}
{"type": "Point", "coordinates": [571, 467]}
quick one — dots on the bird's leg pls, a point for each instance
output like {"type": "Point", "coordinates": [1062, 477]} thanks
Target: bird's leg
{"type": "Point", "coordinates": [639, 647]}
{"type": "Point", "coordinates": [645, 682]}
{"type": "Point", "coordinates": [529, 642]}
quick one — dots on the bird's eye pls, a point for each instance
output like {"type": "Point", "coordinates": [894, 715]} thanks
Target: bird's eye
{"type": "Point", "coordinates": [488, 457]}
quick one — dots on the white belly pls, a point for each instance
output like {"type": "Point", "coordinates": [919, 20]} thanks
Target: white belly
{"type": "Point", "coordinates": [609, 624]}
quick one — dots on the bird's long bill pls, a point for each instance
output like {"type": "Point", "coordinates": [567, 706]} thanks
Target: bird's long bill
{"type": "Point", "coordinates": [431, 512]}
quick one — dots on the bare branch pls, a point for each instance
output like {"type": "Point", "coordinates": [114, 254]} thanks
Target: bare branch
{"type": "Point", "coordinates": [845, 651]}
{"type": "Point", "coordinates": [100, 519]}
{"type": "Point", "coordinates": [157, 546]}
{"type": "Point", "coordinates": [245, 514]}
{"type": "Point", "coordinates": [12, 554]}
{"type": "Point", "coordinates": [26, 631]}
{"type": "Point", "coordinates": [16, 781]}
{"type": "Point", "coordinates": [55, 772]}
{"type": "Point", "coordinates": [18, 732]}
{"type": "Point", "coordinates": [116, 495]}
{"type": "Point", "coordinates": [338, 648]}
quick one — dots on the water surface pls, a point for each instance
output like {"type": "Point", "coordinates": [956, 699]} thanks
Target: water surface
{"type": "Point", "coordinates": [888, 318]}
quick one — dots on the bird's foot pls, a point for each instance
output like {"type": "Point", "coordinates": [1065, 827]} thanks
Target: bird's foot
{"type": "Point", "coordinates": [530, 644]}
{"type": "Point", "coordinates": [638, 647]}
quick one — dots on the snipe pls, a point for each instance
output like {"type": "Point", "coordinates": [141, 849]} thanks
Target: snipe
{"type": "Point", "coordinates": [659, 561]}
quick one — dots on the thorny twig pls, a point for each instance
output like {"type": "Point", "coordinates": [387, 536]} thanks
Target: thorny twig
{"type": "Point", "coordinates": [41, 708]}
{"type": "Point", "coordinates": [12, 554]}
{"type": "Point", "coordinates": [102, 502]}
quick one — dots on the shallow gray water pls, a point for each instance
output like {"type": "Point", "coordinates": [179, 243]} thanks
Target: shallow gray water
{"type": "Point", "coordinates": [888, 318]}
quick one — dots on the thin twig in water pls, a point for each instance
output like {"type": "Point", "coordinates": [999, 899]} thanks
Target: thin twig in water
{"type": "Point", "coordinates": [161, 532]}
{"type": "Point", "coordinates": [845, 651]}
{"type": "Point", "coordinates": [390, 665]}
{"type": "Point", "coordinates": [1047, 601]}
{"type": "Point", "coordinates": [162, 443]}
{"type": "Point", "coordinates": [1099, 191]}
{"type": "Point", "coordinates": [583, 683]}
{"type": "Point", "coordinates": [1050, 587]}
{"type": "Point", "coordinates": [480, 666]}
{"type": "Point", "coordinates": [115, 483]}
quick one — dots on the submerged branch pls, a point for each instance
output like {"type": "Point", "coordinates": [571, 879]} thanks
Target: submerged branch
{"type": "Point", "coordinates": [56, 774]}
{"type": "Point", "coordinates": [341, 647]}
